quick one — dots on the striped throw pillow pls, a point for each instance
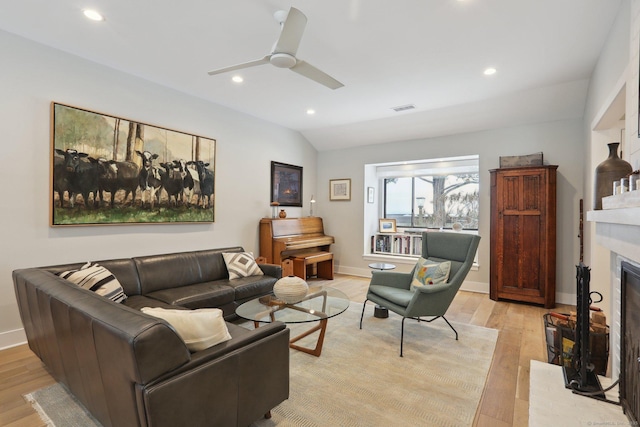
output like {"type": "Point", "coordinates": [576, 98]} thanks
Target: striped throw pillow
{"type": "Point", "coordinates": [241, 264]}
{"type": "Point", "coordinates": [98, 279]}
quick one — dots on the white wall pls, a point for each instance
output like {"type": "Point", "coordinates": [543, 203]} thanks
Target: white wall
{"type": "Point", "coordinates": [32, 76]}
{"type": "Point", "coordinates": [561, 143]}
{"type": "Point", "coordinates": [614, 74]}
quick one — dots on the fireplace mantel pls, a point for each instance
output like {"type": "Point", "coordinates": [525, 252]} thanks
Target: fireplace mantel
{"type": "Point", "coordinates": [625, 216]}
{"type": "Point", "coordinates": [618, 230]}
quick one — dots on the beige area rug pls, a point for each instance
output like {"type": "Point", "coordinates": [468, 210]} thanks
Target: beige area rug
{"type": "Point", "coordinates": [551, 404]}
{"type": "Point", "coordinates": [360, 380]}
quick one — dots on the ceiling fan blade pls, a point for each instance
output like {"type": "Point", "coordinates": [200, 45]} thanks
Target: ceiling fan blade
{"type": "Point", "coordinates": [305, 69]}
{"type": "Point", "coordinates": [291, 34]}
{"type": "Point", "coordinates": [254, 63]}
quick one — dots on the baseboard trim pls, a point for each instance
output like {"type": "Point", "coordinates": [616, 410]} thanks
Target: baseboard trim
{"type": "Point", "coordinates": [13, 338]}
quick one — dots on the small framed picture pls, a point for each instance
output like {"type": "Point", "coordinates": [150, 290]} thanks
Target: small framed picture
{"type": "Point", "coordinates": [388, 225]}
{"type": "Point", "coordinates": [370, 194]}
{"type": "Point", "coordinates": [340, 189]}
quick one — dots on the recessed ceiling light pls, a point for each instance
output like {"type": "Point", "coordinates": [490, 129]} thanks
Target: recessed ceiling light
{"type": "Point", "coordinates": [490, 71]}
{"type": "Point", "coordinates": [93, 15]}
{"type": "Point", "coordinates": [311, 111]}
{"type": "Point", "coordinates": [237, 79]}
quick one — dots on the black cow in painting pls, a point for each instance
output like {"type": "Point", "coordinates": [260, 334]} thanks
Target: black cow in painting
{"type": "Point", "coordinates": [172, 181]}
{"type": "Point", "coordinates": [81, 175]}
{"type": "Point", "coordinates": [206, 184]}
{"type": "Point", "coordinates": [60, 177]}
{"type": "Point", "coordinates": [191, 180]}
{"type": "Point", "coordinates": [149, 179]}
{"type": "Point", "coordinates": [116, 176]}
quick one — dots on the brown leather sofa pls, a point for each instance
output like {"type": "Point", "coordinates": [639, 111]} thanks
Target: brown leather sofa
{"type": "Point", "coordinates": [131, 369]}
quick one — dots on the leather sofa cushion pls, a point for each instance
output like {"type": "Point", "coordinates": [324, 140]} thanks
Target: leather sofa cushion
{"type": "Point", "coordinates": [136, 302]}
{"type": "Point", "coordinates": [250, 287]}
{"type": "Point", "coordinates": [159, 272]}
{"type": "Point", "coordinates": [199, 295]}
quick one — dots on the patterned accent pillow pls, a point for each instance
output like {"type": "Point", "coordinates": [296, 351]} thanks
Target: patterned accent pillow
{"type": "Point", "coordinates": [429, 273]}
{"type": "Point", "coordinates": [199, 329]}
{"type": "Point", "coordinates": [241, 264]}
{"type": "Point", "coordinates": [98, 279]}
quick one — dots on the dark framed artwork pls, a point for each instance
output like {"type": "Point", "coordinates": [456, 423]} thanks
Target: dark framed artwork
{"type": "Point", "coordinates": [286, 184]}
{"type": "Point", "coordinates": [108, 170]}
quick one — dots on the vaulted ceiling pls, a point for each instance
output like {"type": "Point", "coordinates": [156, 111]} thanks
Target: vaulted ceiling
{"type": "Point", "coordinates": [430, 54]}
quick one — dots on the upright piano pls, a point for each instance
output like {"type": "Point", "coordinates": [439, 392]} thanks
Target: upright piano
{"type": "Point", "coordinates": [281, 238]}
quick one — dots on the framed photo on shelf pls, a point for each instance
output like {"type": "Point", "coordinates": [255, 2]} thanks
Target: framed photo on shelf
{"type": "Point", "coordinates": [340, 189]}
{"type": "Point", "coordinates": [286, 184]}
{"type": "Point", "coordinates": [388, 225]}
{"type": "Point", "coordinates": [370, 194]}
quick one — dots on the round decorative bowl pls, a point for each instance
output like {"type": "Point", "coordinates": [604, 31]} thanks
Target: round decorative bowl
{"type": "Point", "coordinates": [290, 289]}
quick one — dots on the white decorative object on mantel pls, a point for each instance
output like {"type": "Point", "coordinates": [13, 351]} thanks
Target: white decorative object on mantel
{"type": "Point", "coordinates": [291, 289]}
{"type": "Point", "coordinates": [627, 199]}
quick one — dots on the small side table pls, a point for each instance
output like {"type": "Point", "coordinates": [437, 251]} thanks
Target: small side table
{"type": "Point", "coordinates": [381, 266]}
{"type": "Point", "coordinates": [379, 311]}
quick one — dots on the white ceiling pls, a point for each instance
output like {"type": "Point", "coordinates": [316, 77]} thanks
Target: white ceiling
{"type": "Point", "coordinates": [430, 53]}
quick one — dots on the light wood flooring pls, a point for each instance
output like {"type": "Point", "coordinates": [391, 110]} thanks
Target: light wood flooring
{"type": "Point", "coordinates": [505, 401]}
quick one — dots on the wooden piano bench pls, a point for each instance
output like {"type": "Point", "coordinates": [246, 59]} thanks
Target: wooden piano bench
{"type": "Point", "coordinates": [323, 261]}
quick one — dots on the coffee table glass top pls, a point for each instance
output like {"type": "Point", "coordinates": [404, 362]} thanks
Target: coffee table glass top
{"type": "Point", "coordinates": [320, 303]}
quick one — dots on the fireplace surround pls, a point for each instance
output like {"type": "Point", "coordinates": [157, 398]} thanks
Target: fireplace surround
{"type": "Point", "coordinates": [630, 341]}
{"type": "Point", "coordinates": [618, 230]}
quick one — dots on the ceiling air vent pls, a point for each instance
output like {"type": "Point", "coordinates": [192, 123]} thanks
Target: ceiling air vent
{"type": "Point", "coordinates": [404, 108]}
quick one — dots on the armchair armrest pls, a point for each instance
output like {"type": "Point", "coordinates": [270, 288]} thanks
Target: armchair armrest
{"type": "Point", "coordinates": [392, 279]}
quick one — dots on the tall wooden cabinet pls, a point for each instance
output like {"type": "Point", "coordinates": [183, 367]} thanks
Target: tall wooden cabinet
{"type": "Point", "coordinates": [523, 234]}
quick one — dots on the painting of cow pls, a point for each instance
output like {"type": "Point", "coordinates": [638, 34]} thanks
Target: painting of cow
{"type": "Point", "coordinates": [108, 170]}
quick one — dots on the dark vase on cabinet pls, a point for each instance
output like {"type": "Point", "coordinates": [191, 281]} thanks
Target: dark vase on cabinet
{"type": "Point", "coordinates": [523, 234]}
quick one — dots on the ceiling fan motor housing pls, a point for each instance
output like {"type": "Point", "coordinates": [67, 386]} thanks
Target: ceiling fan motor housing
{"type": "Point", "coordinates": [282, 60]}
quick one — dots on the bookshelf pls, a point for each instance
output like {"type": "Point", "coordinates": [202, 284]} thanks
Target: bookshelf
{"type": "Point", "coordinates": [398, 244]}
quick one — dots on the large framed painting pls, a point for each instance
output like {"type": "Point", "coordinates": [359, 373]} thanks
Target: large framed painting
{"type": "Point", "coordinates": [286, 184]}
{"type": "Point", "coordinates": [108, 170]}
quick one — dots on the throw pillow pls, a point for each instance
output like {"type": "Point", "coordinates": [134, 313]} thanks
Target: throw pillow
{"type": "Point", "coordinates": [98, 279]}
{"type": "Point", "coordinates": [429, 273]}
{"type": "Point", "coordinates": [241, 264]}
{"type": "Point", "coordinates": [199, 329]}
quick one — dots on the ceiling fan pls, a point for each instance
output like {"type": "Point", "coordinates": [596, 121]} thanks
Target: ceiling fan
{"type": "Point", "coordinates": [283, 54]}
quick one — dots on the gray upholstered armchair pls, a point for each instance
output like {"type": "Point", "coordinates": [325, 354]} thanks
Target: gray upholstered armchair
{"type": "Point", "coordinates": [393, 289]}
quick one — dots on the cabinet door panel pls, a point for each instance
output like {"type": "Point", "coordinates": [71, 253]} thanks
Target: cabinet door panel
{"type": "Point", "coordinates": [530, 256]}
{"type": "Point", "coordinates": [509, 270]}
{"type": "Point", "coordinates": [531, 192]}
{"type": "Point", "coordinates": [510, 193]}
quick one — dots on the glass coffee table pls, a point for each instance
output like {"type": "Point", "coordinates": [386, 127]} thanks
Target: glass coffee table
{"type": "Point", "coordinates": [320, 304]}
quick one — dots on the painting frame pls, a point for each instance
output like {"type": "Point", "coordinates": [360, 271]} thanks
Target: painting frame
{"type": "Point", "coordinates": [388, 225]}
{"type": "Point", "coordinates": [286, 184]}
{"type": "Point", "coordinates": [97, 164]}
{"type": "Point", "coordinates": [340, 189]}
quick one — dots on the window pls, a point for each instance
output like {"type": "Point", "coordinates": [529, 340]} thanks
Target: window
{"type": "Point", "coordinates": [442, 194]}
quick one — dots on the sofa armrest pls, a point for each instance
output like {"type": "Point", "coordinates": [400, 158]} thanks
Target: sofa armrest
{"type": "Point", "coordinates": [235, 388]}
{"type": "Point", "coordinates": [273, 270]}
